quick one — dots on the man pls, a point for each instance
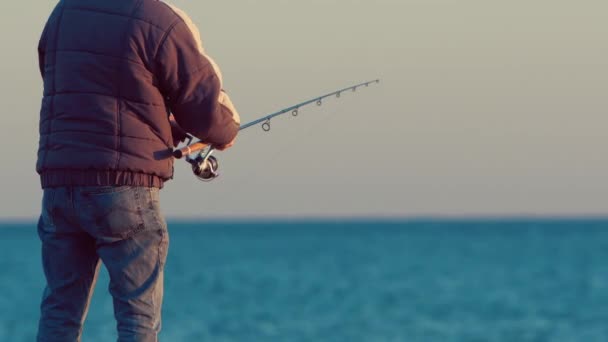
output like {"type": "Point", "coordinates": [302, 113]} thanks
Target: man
{"type": "Point", "coordinates": [113, 70]}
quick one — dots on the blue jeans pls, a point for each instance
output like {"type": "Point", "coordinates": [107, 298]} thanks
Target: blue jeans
{"type": "Point", "coordinates": [120, 226]}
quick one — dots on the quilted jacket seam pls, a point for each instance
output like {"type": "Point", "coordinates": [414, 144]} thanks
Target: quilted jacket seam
{"type": "Point", "coordinates": [100, 54]}
{"type": "Point", "coordinates": [98, 133]}
{"type": "Point", "coordinates": [84, 9]}
{"type": "Point", "coordinates": [122, 98]}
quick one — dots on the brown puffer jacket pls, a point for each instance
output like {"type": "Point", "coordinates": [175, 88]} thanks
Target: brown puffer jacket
{"type": "Point", "coordinates": [113, 72]}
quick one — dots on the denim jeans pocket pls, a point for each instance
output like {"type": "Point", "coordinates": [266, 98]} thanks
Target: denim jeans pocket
{"type": "Point", "coordinates": [112, 212]}
{"type": "Point", "coordinates": [46, 221]}
{"type": "Point", "coordinates": [153, 208]}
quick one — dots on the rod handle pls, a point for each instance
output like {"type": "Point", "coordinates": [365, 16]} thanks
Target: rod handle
{"type": "Point", "coordinates": [188, 150]}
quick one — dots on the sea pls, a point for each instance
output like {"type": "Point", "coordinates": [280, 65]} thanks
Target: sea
{"type": "Point", "coordinates": [512, 280]}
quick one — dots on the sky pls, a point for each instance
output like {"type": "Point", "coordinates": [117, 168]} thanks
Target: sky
{"type": "Point", "coordinates": [486, 108]}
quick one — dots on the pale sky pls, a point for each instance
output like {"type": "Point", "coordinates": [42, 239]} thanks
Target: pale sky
{"type": "Point", "coordinates": [485, 108]}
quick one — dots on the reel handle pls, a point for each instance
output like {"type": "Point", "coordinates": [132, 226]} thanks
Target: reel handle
{"type": "Point", "coordinates": [188, 150]}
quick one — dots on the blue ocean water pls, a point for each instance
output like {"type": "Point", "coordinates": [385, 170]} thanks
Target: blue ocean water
{"type": "Point", "coordinates": [478, 280]}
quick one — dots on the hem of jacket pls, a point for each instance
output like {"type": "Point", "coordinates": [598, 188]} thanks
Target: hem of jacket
{"type": "Point", "coordinates": [62, 178]}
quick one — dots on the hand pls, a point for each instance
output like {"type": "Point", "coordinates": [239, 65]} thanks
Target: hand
{"type": "Point", "coordinates": [225, 147]}
{"type": "Point", "coordinates": [179, 135]}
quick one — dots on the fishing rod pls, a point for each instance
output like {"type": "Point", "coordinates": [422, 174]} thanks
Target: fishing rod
{"type": "Point", "coordinates": [199, 154]}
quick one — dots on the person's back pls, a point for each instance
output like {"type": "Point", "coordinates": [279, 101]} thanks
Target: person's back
{"type": "Point", "coordinates": [113, 71]}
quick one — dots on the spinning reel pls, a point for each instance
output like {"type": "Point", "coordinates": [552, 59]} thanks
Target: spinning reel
{"type": "Point", "coordinates": [204, 165]}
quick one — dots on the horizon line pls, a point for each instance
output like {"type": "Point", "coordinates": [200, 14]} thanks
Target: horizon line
{"type": "Point", "coordinates": [359, 218]}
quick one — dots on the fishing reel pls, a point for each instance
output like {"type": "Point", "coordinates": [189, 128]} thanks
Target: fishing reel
{"type": "Point", "coordinates": [199, 156]}
{"type": "Point", "coordinates": [204, 165]}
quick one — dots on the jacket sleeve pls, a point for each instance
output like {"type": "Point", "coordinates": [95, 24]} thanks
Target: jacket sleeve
{"type": "Point", "coordinates": [192, 84]}
{"type": "Point", "coordinates": [41, 50]}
